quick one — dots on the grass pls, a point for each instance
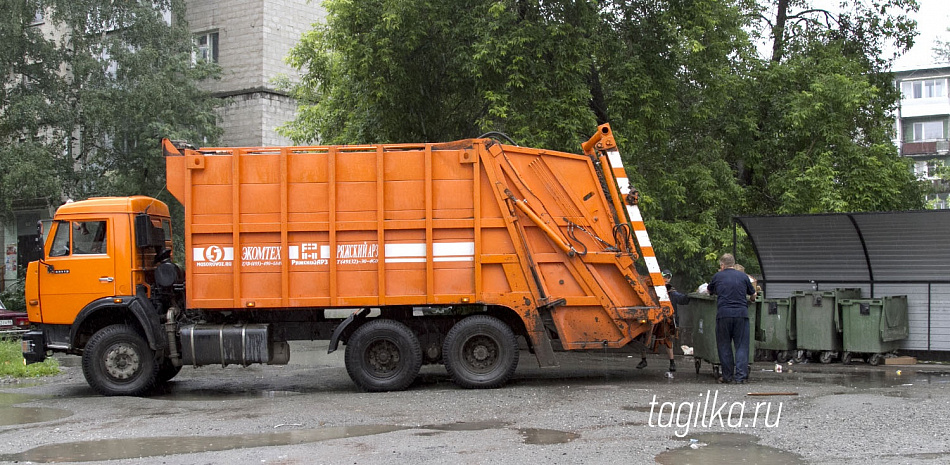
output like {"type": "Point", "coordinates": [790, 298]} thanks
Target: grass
{"type": "Point", "coordinates": [11, 362]}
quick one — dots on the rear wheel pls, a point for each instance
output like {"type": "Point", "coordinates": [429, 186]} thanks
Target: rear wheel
{"type": "Point", "coordinates": [480, 352]}
{"type": "Point", "coordinates": [876, 359]}
{"type": "Point", "coordinates": [826, 357]}
{"type": "Point", "coordinates": [383, 355]}
{"type": "Point", "coordinates": [117, 361]}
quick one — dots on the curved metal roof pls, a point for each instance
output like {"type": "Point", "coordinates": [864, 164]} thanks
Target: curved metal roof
{"type": "Point", "coordinates": [907, 246]}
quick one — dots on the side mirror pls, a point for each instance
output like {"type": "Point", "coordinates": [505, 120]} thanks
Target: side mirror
{"type": "Point", "coordinates": [146, 233]}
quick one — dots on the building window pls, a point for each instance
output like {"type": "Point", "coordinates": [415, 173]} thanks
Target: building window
{"type": "Point", "coordinates": [207, 44]}
{"type": "Point", "coordinates": [928, 130]}
{"type": "Point", "coordinates": [928, 88]}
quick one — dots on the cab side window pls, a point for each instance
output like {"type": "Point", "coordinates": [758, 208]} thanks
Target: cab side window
{"type": "Point", "coordinates": [60, 246]}
{"type": "Point", "coordinates": [89, 237]}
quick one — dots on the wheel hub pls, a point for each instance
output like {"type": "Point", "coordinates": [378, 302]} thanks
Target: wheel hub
{"type": "Point", "coordinates": [383, 357]}
{"type": "Point", "coordinates": [122, 361]}
{"type": "Point", "coordinates": [480, 353]}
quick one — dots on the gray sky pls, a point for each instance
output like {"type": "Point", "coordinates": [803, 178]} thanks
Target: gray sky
{"type": "Point", "coordinates": [933, 19]}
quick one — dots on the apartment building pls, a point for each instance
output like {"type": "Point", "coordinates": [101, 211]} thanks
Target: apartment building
{"type": "Point", "coordinates": [923, 122]}
{"type": "Point", "coordinates": [249, 39]}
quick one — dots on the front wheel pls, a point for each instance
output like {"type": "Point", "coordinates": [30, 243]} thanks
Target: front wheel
{"type": "Point", "coordinates": [383, 355]}
{"type": "Point", "coordinates": [117, 361]}
{"type": "Point", "coordinates": [480, 352]}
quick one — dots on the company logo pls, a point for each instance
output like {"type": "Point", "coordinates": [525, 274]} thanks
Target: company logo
{"type": "Point", "coordinates": [213, 255]}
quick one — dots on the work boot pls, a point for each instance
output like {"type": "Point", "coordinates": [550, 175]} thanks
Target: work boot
{"type": "Point", "coordinates": [672, 366]}
{"type": "Point", "coordinates": [642, 364]}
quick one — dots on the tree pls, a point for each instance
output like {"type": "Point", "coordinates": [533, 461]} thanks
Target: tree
{"type": "Point", "coordinates": [708, 129]}
{"type": "Point", "coordinates": [27, 105]}
{"type": "Point", "coordinates": [942, 50]}
{"type": "Point", "coordinates": [28, 90]}
{"type": "Point", "coordinates": [83, 110]}
{"type": "Point", "coordinates": [823, 137]}
{"type": "Point", "coordinates": [132, 81]}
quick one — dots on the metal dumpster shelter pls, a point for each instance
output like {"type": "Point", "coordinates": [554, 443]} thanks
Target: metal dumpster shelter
{"type": "Point", "coordinates": [883, 254]}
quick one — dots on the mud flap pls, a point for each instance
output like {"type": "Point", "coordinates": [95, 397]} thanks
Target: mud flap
{"type": "Point", "coordinates": [335, 338]}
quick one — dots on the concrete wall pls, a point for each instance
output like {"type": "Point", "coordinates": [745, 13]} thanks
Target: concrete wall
{"type": "Point", "coordinates": [254, 37]}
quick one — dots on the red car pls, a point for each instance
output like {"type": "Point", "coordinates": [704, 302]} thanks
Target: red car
{"type": "Point", "coordinates": [12, 320]}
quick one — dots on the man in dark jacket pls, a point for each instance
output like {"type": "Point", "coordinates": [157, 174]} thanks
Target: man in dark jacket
{"type": "Point", "coordinates": [732, 287]}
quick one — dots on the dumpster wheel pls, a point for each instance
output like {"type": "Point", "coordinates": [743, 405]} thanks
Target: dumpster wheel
{"type": "Point", "coordinates": [846, 358]}
{"type": "Point", "coordinates": [876, 359]}
{"type": "Point", "coordinates": [826, 357]}
{"type": "Point", "coordinates": [800, 356]}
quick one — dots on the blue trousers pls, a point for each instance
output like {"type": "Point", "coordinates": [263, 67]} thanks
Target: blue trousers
{"type": "Point", "coordinates": [733, 332]}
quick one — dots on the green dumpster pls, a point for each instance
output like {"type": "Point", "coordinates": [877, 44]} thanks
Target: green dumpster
{"type": "Point", "coordinates": [818, 321]}
{"type": "Point", "coordinates": [873, 327]}
{"type": "Point", "coordinates": [776, 328]}
{"type": "Point", "coordinates": [702, 310]}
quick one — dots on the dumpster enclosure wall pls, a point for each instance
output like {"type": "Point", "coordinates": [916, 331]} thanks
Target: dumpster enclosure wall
{"type": "Point", "coordinates": [883, 254]}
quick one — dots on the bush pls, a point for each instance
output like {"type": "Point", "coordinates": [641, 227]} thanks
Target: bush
{"type": "Point", "coordinates": [13, 298]}
{"type": "Point", "coordinates": [11, 362]}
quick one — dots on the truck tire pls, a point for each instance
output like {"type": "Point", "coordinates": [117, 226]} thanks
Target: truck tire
{"type": "Point", "coordinates": [383, 355]}
{"type": "Point", "coordinates": [480, 352]}
{"type": "Point", "coordinates": [117, 361]}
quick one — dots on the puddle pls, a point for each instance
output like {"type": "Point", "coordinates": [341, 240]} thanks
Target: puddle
{"type": "Point", "coordinates": [219, 395]}
{"type": "Point", "coordinates": [24, 415]}
{"type": "Point", "coordinates": [11, 415]}
{"type": "Point", "coordinates": [630, 408]}
{"type": "Point", "coordinates": [727, 448]}
{"type": "Point", "coordinates": [132, 448]}
{"type": "Point", "coordinates": [874, 379]}
{"type": "Point", "coordinates": [467, 426]}
{"type": "Point", "coordinates": [545, 437]}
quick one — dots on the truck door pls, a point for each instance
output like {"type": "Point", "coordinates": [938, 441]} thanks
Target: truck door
{"type": "Point", "coordinates": [79, 268]}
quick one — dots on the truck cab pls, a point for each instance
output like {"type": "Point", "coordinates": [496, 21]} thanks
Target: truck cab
{"type": "Point", "coordinates": [97, 270]}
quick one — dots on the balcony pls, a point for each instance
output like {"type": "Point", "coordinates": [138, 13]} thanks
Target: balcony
{"type": "Point", "coordinates": [930, 147]}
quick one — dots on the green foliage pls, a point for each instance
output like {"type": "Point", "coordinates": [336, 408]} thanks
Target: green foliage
{"type": "Point", "coordinates": [83, 115]}
{"type": "Point", "coordinates": [707, 128]}
{"type": "Point", "coordinates": [29, 92]}
{"type": "Point", "coordinates": [132, 82]}
{"type": "Point", "coordinates": [12, 364]}
{"type": "Point", "coordinates": [13, 297]}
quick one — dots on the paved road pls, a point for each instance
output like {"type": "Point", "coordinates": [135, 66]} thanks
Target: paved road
{"type": "Point", "coordinates": [595, 408]}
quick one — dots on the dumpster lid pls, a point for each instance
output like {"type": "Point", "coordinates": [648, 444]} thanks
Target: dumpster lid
{"type": "Point", "coordinates": [904, 246]}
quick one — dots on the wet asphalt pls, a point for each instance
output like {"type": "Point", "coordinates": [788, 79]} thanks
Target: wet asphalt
{"type": "Point", "coordinates": [594, 408]}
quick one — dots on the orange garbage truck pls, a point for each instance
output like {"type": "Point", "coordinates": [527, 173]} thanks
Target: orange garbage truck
{"type": "Point", "coordinates": [456, 253]}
